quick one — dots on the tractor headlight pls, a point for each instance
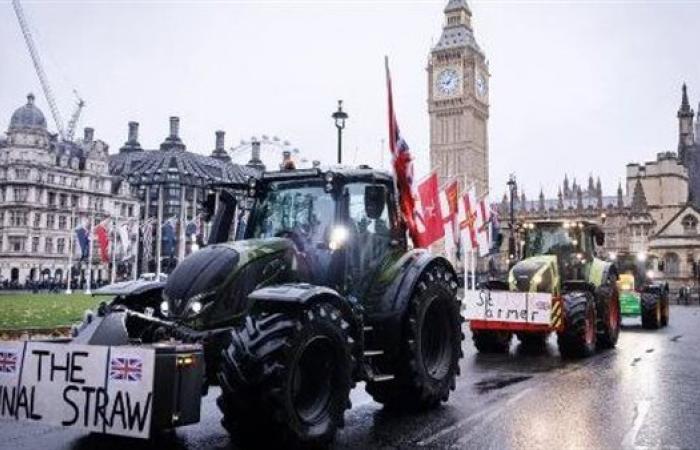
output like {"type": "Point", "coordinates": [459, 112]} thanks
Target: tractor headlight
{"type": "Point", "coordinates": [650, 274]}
{"type": "Point", "coordinates": [252, 182]}
{"type": "Point", "coordinates": [339, 235]}
{"type": "Point", "coordinates": [641, 256]}
{"type": "Point", "coordinates": [196, 307]}
{"type": "Point", "coordinates": [164, 307]}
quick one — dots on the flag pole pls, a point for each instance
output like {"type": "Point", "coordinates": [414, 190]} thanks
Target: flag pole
{"type": "Point", "coordinates": [159, 232]}
{"type": "Point", "coordinates": [89, 261]}
{"type": "Point", "coordinates": [71, 244]}
{"type": "Point", "coordinates": [135, 267]}
{"type": "Point", "coordinates": [113, 274]}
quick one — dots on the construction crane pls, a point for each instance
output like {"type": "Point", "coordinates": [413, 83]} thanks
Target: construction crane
{"type": "Point", "coordinates": [63, 133]}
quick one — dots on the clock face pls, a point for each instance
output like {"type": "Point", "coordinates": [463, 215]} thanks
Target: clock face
{"type": "Point", "coordinates": [448, 82]}
{"type": "Point", "coordinates": [480, 85]}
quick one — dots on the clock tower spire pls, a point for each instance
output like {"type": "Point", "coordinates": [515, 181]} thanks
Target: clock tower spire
{"type": "Point", "coordinates": [458, 101]}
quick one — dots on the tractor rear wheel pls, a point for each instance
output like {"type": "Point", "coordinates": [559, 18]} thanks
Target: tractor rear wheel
{"type": "Point", "coordinates": [652, 311]}
{"type": "Point", "coordinates": [286, 377]}
{"type": "Point", "coordinates": [428, 362]}
{"type": "Point", "coordinates": [578, 339]}
{"type": "Point", "coordinates": [492, 341]}
{"type": "Point", "coordinates": [609, 319]}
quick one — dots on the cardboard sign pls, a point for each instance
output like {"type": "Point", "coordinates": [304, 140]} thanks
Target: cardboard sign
{"type": "Point", "coordinates": [506, 306]}
{"type": "Point", "coordinates": [94, 388]}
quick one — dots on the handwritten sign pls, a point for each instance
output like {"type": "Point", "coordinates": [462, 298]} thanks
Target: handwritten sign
{"type": "Point", "coordinates": [506, 306]}
{"type": "Point", "coordinates": [95, 388]}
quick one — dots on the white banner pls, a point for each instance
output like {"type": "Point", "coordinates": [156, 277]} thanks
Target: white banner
{"type": "Point", "coordinates": [94, 388]}
{"type": "Point", "coordinates": [506, 306]}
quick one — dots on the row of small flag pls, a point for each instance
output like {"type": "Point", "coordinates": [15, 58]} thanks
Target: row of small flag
{"type": "Point", "coordinates": [125, 237]}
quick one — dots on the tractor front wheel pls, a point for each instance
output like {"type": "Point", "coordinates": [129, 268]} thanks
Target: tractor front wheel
{"type": "Point", "coordinates": [578, 339]}
{"type": "Point", "coordinates": [286, 377]}
{"type": "Point", "coordinates": [609, 319]}
{"type": "Point", "coordinates": [428, 362]}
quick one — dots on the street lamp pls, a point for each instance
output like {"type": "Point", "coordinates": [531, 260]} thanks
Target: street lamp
{"type": "Point", "coordinates": [340, 116]}
{"type": "Point", "coordinates": [513, 189]}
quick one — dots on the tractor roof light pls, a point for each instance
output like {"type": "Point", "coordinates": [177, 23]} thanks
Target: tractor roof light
{"type": "Point", "coordinates": [329, 177]}
{"type": "Point", "coordinates": [252, 182]}
{"type": "Point", "coordinates": [650, 274]}
{"type": "Point", "coordinates": [641, 256]}
{"type": "Point", "coordinates": [612, 255]}
{"type": "Point", "coordinates": [339, 234]}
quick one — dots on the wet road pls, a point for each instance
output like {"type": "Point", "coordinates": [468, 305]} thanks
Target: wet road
{"type": "Point", "coordinates": [643, 394]}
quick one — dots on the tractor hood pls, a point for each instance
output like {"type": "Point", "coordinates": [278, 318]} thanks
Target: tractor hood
{"type": "Point", "coordinates": [535, 274]}
{"type": "Point", "coordinates": [212, 285]}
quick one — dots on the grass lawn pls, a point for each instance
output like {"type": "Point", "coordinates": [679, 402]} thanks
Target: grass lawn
{"type": "Point", "coordinates": [27, 310]}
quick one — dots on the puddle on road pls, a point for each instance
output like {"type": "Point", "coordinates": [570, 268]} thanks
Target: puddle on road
{"type": "Point", "coordinates": [491, 384]}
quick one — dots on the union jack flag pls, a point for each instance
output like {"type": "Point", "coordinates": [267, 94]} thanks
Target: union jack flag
{"type": "Point", "coordinates": [125, 369]}
{"type": "Point", "coordinates": [403, 168]}
{"type": "Point", "coordinates": [8, 362]}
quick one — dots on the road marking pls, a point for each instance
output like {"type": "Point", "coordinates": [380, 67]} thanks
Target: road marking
{"type": "Point", "coordinates": [484, 413]}
{"type": "Point", "coordinates": [640, 413]}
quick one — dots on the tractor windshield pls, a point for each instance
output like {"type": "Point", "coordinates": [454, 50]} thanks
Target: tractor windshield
{"type": "Point", "coordinates": [296, 210]}
{"type": "Point", "coordinates": [548, 240]}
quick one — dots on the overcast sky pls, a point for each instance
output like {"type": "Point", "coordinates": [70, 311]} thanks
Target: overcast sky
{"type": "Point", "coordinates": [576, 87]}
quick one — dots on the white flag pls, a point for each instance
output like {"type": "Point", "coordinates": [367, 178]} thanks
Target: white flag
{"type": "Point", "coordinates": [483, 214]}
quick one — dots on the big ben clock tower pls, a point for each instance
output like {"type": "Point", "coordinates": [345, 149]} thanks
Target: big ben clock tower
{"type": "Point", "coordinates": [458, 102]}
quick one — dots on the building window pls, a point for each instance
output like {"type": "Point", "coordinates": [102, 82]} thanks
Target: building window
{"type": "Point", "coordinates": [2, 218]}
{"type": "Point", "coordinates": [62, 223]}
{"type": "Point", "coordinates": [48, 245]}
{"type": "Point", "coordinates": [18, 219]}
{"type": "Point", "coordinates": [74, 200]}
{"type": "Point", "coordinates": [690, 224]}
{"type": "Point", "coordinates": [37, 220]}
{"type": "Point", "coordinates": [35, 244]}
{"type": "Point", "coordinates": [671, 264]}
{"type": "Point", "coordinates": [50, 221]}
{"type": "Point", "coordinates": [52, 199]}
{"type": "Point", "coordinates": [16, 243]}
{"type": "Point", "coordinates": [60, 245]}
{"type": "Point", "coordinates": [21, 194]}
{"type": "Point", "coordinates": [22, 174]}
{"type": "Point", "coordinates": [50, 178]}
{"type": "Point", "coordinates": [63, 200]}
{"type": "Point", "coordinates": [131, 210]}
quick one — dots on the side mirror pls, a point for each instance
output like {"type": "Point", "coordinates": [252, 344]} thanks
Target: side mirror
{"type": "Point", "coordinates": [375, 200]}
{"type": "Point", "coordinates": [209, 206]}
{"type": "Point", "coordinates": [599, 236]}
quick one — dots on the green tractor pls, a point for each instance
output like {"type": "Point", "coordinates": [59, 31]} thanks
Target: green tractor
{"type": "Point", "coordinates": [641, 293]}
{"type": "Point", "coordinates": [321, 291]}
{"type": "Point", "coordinates": [559, 285]}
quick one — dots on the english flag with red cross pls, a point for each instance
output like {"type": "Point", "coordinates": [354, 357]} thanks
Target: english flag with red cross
{"type": "Point", "coordinates": [449, 204]}
{"type": "Point", "coordinates": [484, 226]}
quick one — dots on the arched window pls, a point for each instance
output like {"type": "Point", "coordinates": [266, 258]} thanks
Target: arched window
{"type": "Point", "coordinates": [690, 224]}
{"type": "Point", "coordinates": [671, 264]}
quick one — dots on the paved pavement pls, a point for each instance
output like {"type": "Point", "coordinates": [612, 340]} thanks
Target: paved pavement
{"type": "Point", "coordinates": [643, 394]}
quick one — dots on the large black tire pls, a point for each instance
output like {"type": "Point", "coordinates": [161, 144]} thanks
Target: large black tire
{"type": "Point", "coordinates": [652, 310]}
{"type": "Point", "coordinates": [578, 339]}
{"type": "Point", "coordinates": [609, 319]}
{"type": "Point", "coordinates": [428, 361]}
{"type": "Point", "coordinates": [532, 340]}
{"type": "Point", "coordinates": [286, 378]}
{"type": "Point", "coordinates": [492, 341]}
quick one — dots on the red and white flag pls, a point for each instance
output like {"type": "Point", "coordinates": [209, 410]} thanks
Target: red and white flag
{"type": "Point", "coordinates": [467, 222]}
{"type": "Point", "coordinates": [403, 168]}
{"type": "Point", "coordinates": [449, 204]}
{"type": "Point", "coordinates": [102, 235]}
{"type": "Point", "coordinates": [430, 220]}
{"type": "Point", "coordinates": [484, 226]}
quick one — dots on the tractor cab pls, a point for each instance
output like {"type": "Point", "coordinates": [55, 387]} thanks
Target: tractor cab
{"type": "Point", "coordinates": [343, 222]}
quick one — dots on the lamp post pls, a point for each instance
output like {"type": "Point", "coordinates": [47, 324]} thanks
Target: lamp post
{"type": "Point", "coordinates": [513, 190]}
{"type": "Point", "coordinates": [340, 116]}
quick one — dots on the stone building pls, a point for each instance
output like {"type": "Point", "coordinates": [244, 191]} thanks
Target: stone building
{"type": "Point", "coordinates": [171, 184]}
{"type": "Point", "coordinates": [656, 213]}
{"type": "Point", "coordinates": [458, 101]}
{"type": "Point", "coordinates": [48, 187]}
